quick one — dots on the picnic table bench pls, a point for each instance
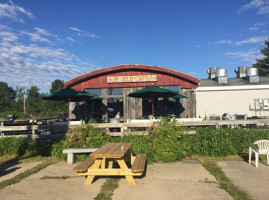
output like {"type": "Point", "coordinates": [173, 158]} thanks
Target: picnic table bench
{"type": "Point", "coordinates": [139, 163]}
{"type": "Point", "coordinates": [102, 163]}
{"type": "Point", "coordinates": [83, 166]}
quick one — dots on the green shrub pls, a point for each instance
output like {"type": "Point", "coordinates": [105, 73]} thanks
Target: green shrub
{"type": "Point", "coordinates": [57, 149]}
{"type": "Point", "coordinates": [38, 148]}
{"type": "Point", "coordinates": [85, 136]}
{"type": "Point", "coordinates": [165, 139]}
{"type": "Point", "coordinates": [13, 146]}
{"type": "Point", "coordinates": [210, 141]}
{"type": "Point", "coordinates": [140, 144]}
{"type": "Point", "coordinates": [18, 146]}
{"type": "Point", "coordinates": [165, 142]}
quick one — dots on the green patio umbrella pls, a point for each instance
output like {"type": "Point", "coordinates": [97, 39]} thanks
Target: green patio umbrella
{"type": "Point", "coordinates": [152, 92]}
{"type": "Point", "coordinates": [69, 94]}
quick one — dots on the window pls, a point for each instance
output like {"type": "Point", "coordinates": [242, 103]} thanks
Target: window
{"type": "Point", "coordinates": [114, 105]}
{"type": "Point", "coordinates": [95, 91]}
{"type": "Point", "coordinates": [114, 91]}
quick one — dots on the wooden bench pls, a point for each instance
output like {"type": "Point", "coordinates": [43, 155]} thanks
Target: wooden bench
{"type": "Point", "coordinates": [83, 166]}
{"type": "Point", "coordinates": [139, 163]}
{"type": "Point", "coordinates": [71, 153]}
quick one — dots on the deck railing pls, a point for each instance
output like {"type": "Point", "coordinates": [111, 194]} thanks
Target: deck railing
{"type": "Point", "coordinates": [122, 128]}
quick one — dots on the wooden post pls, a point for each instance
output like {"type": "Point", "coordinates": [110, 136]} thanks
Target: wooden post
{"type": "Point", "coordinates": [104, 102]}
{"type": "Point", "coordinates": [24, 107]}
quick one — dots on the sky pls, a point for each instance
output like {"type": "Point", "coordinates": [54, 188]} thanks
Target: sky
{"type": "Point", "coordinates": [41, 41]}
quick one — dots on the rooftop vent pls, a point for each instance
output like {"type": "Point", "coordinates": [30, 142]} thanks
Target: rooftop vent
{"type": "Point", "coordinates": [221, 76]}
{"type": "Point", "coordinates": [211, 72]}
{"type": "Point", "coordinates": [253, 75]}
{"type": "Point", "coordinates": [241, 71]}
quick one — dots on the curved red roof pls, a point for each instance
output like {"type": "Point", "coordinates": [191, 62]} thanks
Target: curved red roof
{"type": "Point", "coordinates": [127, 69]}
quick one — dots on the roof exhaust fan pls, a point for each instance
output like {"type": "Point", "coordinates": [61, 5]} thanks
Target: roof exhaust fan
{"type": "Point", "coordinates": [221, 76]}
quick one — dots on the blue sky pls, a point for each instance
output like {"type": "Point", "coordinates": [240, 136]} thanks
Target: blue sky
{"type": "Point", "coordinates": [44, 40]}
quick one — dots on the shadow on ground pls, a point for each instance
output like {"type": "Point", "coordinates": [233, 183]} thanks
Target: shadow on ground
{"type": "Point", "coordinates": [9, 166]}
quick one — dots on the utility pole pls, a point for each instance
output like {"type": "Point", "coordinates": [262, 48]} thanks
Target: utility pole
{"type": "Point", "coordinates": [24, 109]}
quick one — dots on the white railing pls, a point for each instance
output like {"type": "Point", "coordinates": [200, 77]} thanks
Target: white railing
{"type": "Point", "coordinates": [125, 128]}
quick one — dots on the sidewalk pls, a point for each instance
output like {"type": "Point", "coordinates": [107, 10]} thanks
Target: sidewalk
{"type": "Point", "coordinates": [173, 181]}
{"type": "Point", "coordinates": [9, 170]}
{"type": "Point", "coordinates": [33, 188]}
{"type": "Point", "coordinates": [252, 180]}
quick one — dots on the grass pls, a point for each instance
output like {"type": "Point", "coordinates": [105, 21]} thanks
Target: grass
{"type": "Point", "coordinates": [19, 177]}
{"type": "Point", "coordinates": [6, 158]}
{"type": "Point", "coordinates": [224, 181]}
{"type": "Point", "coordinates": [56, 177]}
{"type": "Point", "coordinates": [107, 189]}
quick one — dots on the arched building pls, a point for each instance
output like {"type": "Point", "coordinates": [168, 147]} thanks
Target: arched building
{"type": "Point", "coordinates": [116, 82]}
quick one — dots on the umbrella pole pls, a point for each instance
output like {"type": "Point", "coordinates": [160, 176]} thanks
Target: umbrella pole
{"type": "Point", "coordinates": [152, 105]}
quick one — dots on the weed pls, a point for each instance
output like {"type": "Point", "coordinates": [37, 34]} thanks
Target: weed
{"type": "Point", "coordinates": [55, 177]}
{"type": "Point", "coordinates": [107, 189]}
{"type": "Point", "coordinates": [223, 180]}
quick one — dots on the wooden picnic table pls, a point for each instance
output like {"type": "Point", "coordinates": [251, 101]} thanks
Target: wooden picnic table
{"type": "Point", "coordinates": [103, 162]}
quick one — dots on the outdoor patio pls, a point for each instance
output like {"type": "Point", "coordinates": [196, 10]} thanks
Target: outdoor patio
{"type": "Point", "coordinates": [179, 180]}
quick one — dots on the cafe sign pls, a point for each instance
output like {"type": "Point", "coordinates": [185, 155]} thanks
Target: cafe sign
{"type": "Point", "coordinates": [131, 79]}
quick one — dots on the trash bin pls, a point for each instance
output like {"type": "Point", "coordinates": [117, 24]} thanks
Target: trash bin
{"type": "Point", "coordinates": [114, 120]}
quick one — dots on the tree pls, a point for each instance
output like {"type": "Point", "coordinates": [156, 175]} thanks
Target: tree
{"type": "Point", "coordinates": [263, 64]}
{"type": "Point", "coordinates": [54, 108]}
{"type": "Point", "coordinates": [33, 100]}
{"type": "Point", "coordinates": [19, 98]}
{"type": "Point", "coordinates": [7, 97]}
{"type": "Point", "coordinates": [57, 85]}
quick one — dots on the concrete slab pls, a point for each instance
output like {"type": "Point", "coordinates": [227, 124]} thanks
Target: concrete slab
{"type": "Point", "coordinates": [10, 169]}
{"type": "Point", "coordinates": [32, 187]}
{"type": "Point", "coordinates": [254, 181]}
{"type": "Point", "coordinates": [180, 180]}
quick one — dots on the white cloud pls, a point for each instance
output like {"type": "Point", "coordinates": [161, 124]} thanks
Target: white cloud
{"type": "Point", "coordinates": [247, 56]}
{"type": "Point", "coordinates": [224, 42]}
{"type": "Point", "coordinates": [83, 33]}
{"type": "Point", "coordinates": [42, 35]}
{"type": "Point", "coordinates": [13, 12]}
{"type": "Point", "coordinates": [70, 39]}
{"type": "Point", "coordinates": [256, 26]}
{"type": "Point", "coordinates": [8, 36]}
{"type": "Point", "coordinates": [31, 64]}
{"type": "Point", "coordinates": [251, 40]}
{"type": "Point", "coordinates": [261, 5]}
{"type": "Point", "coordinates": [36, 37]}
{"type": "Point", "coordinates": [44, 32]}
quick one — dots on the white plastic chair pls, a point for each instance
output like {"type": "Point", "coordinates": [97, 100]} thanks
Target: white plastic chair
{"type": "Point", "coordinates": [263, 148]}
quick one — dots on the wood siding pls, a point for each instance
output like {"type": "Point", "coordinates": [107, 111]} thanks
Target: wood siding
{"type": "Point", "coordinates": [98, 78]}
{"type": "Point", "coordinates": [162, 79]}
{"type": "Point", "coordinates": [188, 105]}
{"type": "Point", "coordinates": [132, 106]}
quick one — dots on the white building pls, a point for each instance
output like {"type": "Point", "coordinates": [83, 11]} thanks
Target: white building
{"type": "Point", "coordinates": [247, 94]}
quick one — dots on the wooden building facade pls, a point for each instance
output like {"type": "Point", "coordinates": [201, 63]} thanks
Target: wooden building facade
{"type": "Point", "coordinates": [116, 82]}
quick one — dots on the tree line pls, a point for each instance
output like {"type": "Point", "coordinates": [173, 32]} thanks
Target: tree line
{"type": "Point", "coordinates": [12, 101]}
